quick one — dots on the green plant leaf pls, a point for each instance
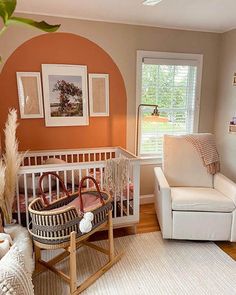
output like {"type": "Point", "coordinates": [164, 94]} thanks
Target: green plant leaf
{"type": "Point", "coordinates": [7, 8]}
{"type": "Point", "coordinates": [39, 25]}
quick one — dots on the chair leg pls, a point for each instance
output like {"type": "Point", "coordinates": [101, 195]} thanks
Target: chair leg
{"type": "Point", "coordinates": [110, 237]}
{"type": "Point", "coordinates": [72, 250]}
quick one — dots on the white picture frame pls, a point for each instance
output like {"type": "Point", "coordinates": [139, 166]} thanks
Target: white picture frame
{"type": "Point", "coordinates": [30, 95]}
{"type": "Point", "coordinates": [99, 95]}
{"type": "Point", "coordinates": [65, 95]}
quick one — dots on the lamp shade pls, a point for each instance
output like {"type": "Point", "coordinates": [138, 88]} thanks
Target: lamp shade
{"type": "Point", "coordinates": [157, 119]}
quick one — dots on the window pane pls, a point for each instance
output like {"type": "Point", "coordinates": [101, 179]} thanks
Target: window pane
{"type": "Point", "coordinates": [173, 88]}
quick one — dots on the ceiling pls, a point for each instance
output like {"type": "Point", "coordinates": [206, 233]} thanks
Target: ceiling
{"type": "Point", "coordinates": [201, 15]}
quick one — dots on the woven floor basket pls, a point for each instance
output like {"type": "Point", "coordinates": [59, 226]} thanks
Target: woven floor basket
{"type": "Point", "coordinates": [52, 224]}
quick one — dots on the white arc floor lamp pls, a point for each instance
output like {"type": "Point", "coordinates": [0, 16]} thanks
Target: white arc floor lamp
{"type": "Point", "coordinates": [154, 117]}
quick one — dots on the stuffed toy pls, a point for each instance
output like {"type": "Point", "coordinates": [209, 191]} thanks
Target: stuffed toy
{"type": "Point", "coordinates": [85, 224]}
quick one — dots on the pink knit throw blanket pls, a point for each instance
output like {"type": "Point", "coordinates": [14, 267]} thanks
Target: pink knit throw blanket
{"type": "Point", "coordinates": [205, 145]}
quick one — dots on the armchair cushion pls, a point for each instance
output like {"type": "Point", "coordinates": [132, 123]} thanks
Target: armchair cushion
{"type": "Point", "coordinates": [200, 199]}
{"type": "Point", "coordinates": [182, 164]}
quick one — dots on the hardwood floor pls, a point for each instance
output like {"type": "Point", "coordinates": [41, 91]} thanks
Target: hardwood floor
{"type": "Point", "coordinates": [148, 219]}
{"type": "Point", "coordinates": [149, 223]}
{"type": "Point", "coordinates": [229, 248]}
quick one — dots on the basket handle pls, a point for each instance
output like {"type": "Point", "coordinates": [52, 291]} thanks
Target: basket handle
{"type": "Point", "coordinates": [80, 191]}
{"type": "Point", "coordinates": [43, 195]}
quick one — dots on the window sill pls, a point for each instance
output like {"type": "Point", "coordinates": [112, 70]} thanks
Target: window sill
{"type": "Point", "coordinates": [151, 161]}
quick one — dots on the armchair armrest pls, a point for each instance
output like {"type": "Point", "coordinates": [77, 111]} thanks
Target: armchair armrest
{"type": "Point", "coordinates": [228, 188]}
{"type": "Point", "coordinates": [163, 203]}
{"type": "Point", "coordinates": [225, 186]}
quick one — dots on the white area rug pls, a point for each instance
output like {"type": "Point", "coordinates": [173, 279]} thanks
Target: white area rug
{"type": "Point", "coordinates": [151, 265]}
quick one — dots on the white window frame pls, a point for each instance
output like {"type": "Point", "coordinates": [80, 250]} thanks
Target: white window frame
{"type": "Point", "coordinates": [141, 55]}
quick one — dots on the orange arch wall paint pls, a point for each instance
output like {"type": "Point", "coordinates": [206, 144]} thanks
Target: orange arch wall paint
{"type": "Point", "coordinates": [64, 48]}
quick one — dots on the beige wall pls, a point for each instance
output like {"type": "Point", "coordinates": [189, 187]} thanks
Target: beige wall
{"type": "Point", "coordinates": [122, 42]}
{"type": "Point", "coordinates": [226, 104]}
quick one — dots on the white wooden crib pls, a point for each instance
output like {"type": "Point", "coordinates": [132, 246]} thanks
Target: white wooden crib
{"type": "Point", "coordinates": [78, 163]}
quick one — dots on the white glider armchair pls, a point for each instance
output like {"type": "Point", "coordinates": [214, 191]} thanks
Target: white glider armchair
{"type": "Point", "coordinates": [190, 203]}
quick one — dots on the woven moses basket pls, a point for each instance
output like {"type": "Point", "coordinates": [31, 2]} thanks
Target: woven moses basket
{"type": "Point", "coordinates": [52, 223]}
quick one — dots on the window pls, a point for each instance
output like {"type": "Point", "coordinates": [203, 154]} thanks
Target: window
{"type": "Point", "coordinates": [172, 81]}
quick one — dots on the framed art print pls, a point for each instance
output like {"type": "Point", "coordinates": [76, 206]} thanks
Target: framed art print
{"type": "Point", "coordinates": [30, 95]}
{"type": "Point", "coordinates": [65, 95]}
{"type": "Point", "coordinates": [99, 95]}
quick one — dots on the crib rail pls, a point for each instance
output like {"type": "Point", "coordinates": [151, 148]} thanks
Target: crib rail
{"type": "Point", "coordinates": [69, 156]}
{"type": "Point", "coordinates": [78, 163]}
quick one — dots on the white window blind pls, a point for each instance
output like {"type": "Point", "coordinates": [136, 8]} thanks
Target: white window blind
{"type": "Point", "coordinates": [171, 84]}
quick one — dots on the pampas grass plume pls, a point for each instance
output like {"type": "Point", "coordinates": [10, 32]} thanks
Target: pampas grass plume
{"type": "Point", "coordinates": [2, 187]}
{"type": "Point", "coordinates": [12, 160]}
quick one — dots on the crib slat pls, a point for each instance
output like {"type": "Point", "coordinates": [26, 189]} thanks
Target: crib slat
{"type": "Point", "coordinates": [65, 178]}
{"type": "Point", "coordinates": [26, 200]}
{"type": "Point", "coordinates": [128, 194]}
{"type": "Point", "coordinates": [18, 202]}
{"type": "Point", "coordinates": [73, 180]}
{"type": "Point", "coordinates": [33, 184]}
{"type": "Point", "coordinates": [115, 205]}
{"type": "Point", "coordinates": [101, 180]}
{"type": "Point", "coordinates": [94, 176]}
{"type": "Point", "coordinates": [121, 204]}
{"type": "Point", "coordinates": [57, 184]}
{"type": "Point", "coordinates": [87, 181]}
{"type": "Point", "coordinates": [50, 186]}
{"type": "Point", "coordinates": [80, 174]}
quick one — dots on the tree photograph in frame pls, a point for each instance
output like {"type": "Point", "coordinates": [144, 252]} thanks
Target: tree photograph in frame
{"type": "Point", "coordinates": [65, 95]}
{"type": "Point", "coordinates": [30, 95]}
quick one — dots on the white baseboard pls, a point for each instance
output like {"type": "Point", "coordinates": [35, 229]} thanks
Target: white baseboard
{"type": "Point", "coordinates": [146, 199]}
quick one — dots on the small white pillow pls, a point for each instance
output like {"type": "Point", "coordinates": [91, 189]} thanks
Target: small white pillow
{"type": "Point", "coordinates": [36, 182]}
{"type": "Point", "coordinates": [54, 161]}
{"type": "Point", "coordinates": [68, 173]}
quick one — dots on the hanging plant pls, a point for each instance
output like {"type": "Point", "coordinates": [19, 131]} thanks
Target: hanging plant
{"type": "Point", "coordinates": [7, 8]}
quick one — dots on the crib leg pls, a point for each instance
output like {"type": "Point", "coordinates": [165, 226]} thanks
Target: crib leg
{"type": "Point", "coordinates": [72, 250]}
{"type": "Point", "coordinates": [134, 230]}
{"type": "Point", "coordinates": [110, 236]}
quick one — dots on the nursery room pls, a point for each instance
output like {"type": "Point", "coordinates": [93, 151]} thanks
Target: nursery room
{"type": "Point", "coordinates": [117, 147]}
